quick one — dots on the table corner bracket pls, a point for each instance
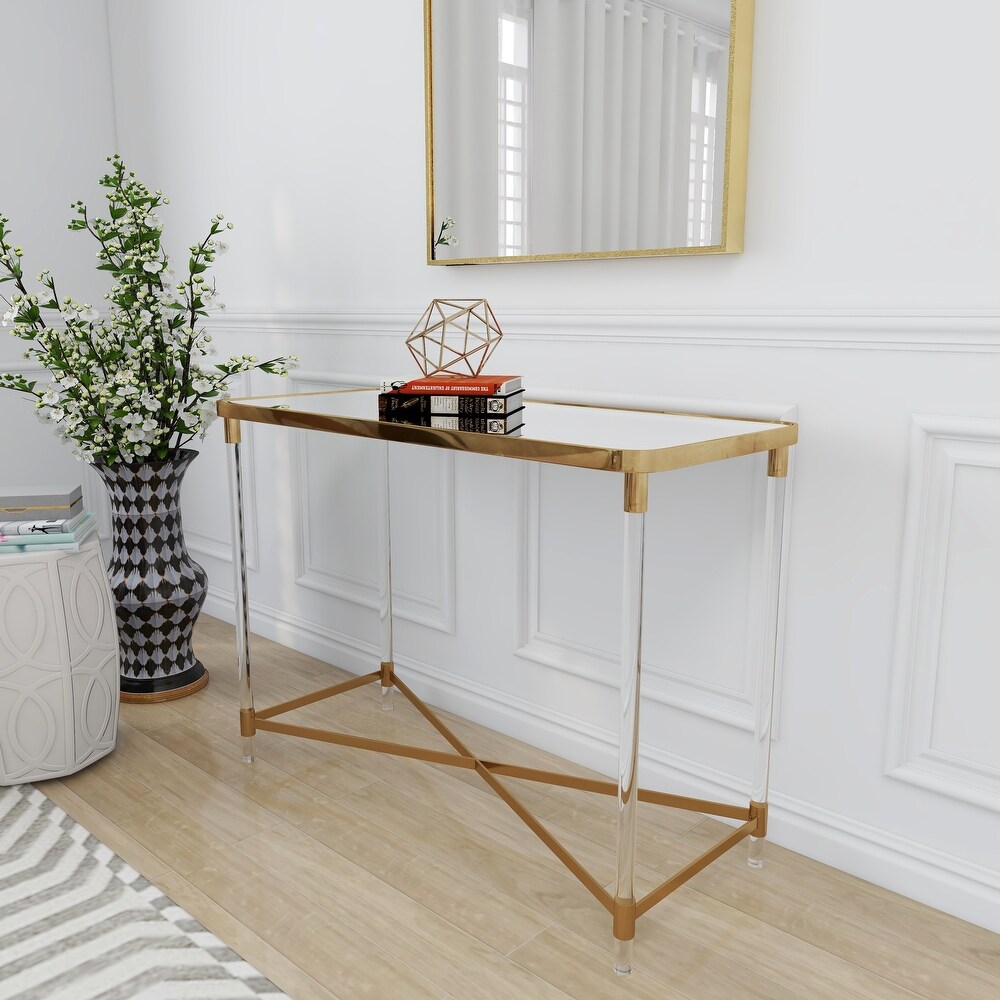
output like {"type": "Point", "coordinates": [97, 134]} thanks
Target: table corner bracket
{"type": "Point", "coordinates": [758, 811]}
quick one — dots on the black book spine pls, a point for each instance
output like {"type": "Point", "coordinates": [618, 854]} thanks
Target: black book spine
{"type": "Point", "coordinates": [481, 423]}
{"type": "Point", "coordinates": [489, 405]}
{"type": "Point", "coordinates": [394, 406]}
{"type": "Point", "coordinates": [390, 403]}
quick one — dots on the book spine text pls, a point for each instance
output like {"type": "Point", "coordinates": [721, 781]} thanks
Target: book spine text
{"type": "Point", "coordinates": [393, 402]}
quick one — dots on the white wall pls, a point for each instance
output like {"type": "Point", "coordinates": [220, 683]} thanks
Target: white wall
{"type": "Point", "coordinates": [57, 124]}
{"type": "Point", "coordinates": [866, 298]}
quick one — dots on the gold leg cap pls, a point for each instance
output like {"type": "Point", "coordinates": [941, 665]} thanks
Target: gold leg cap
{"type": "Point", "coordinates": [624, 919]}
{"type": "Point", "coordinates": [248, 725]}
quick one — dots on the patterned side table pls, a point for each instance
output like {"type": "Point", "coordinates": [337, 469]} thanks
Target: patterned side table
{"type": "Point", "coordinates": [58, 663]}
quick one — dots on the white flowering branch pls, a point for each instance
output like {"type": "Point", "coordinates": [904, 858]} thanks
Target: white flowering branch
{"type": "Point", "coordinates": [128, 386]}
{"type": "Point", "coordinates": [444, 239]}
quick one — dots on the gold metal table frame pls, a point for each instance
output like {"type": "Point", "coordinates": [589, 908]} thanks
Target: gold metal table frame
{"type": "Point", "coordinates": [740, 438]}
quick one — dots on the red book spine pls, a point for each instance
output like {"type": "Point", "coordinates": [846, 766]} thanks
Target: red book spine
{"type": "Point", "coordinates": [480, 385]}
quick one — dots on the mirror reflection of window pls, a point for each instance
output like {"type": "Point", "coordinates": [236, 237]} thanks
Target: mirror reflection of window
{"type": "Point", "coordinates": [513, 88]}
{"type": "Point", "coordinates": [710, 58]}
{"type": "Point", "coordinates": [608, 118]}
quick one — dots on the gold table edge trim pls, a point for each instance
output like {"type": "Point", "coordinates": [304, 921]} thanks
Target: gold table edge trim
{"type": "Point", "coordinates": [783, 434]}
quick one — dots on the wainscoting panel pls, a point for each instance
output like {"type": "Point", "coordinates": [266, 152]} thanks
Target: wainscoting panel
{"type": "Point", "coordinates": [704, 536]}
{"type": "Point", "coordinates": [946, 686]}
{"type": "Point", "coordinates": [340, 481]}
{"type": "Point", "coordinates": [701, 622]}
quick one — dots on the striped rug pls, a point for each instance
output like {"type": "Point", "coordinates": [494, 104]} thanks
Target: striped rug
{"type": "Point", "coordinates": [77, 923]}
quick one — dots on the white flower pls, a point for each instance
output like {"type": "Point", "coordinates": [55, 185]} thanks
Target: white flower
{"type": "Point", "coordinates": [141, 352]}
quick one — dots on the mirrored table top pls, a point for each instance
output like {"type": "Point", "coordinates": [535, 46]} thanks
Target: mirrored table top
{"type": "Point", "coordinates": [592, 437]}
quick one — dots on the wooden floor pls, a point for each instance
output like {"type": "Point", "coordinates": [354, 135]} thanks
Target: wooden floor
{"type": "Point", "coordinates": [346, 874]}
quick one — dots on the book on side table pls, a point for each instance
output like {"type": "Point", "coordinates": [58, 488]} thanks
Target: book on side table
{"type": "Point", "coordinates": [39, 520]}
{"type": "Point", "coordinates": [477, 385]}
{"type": "Point", "coordinates": [485, 404]}
{"type": "Point", "coordinates": [510, 426]}
{"type": "Point", "coordinates": [41, 528]}
{"type": "Point", "coordinates": [391, 404]}
{"type": "Point", "coordinates": [40, 503]}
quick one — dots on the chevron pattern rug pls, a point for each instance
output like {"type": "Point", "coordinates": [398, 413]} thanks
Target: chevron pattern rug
{"type": "Point", "coordinates": [77, 923]}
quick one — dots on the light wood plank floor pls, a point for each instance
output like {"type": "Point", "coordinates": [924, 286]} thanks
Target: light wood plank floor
{"type": "Point", "coordinates": [345, 874]}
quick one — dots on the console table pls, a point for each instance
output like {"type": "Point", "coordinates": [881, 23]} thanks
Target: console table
{"type": "Point", "coordinates": [631, 443]}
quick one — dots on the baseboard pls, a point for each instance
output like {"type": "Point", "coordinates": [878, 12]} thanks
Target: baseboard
{"type": "Point", "coordinates": [940, 880]}
{"type": "Point", "coordinates": [297, 633]}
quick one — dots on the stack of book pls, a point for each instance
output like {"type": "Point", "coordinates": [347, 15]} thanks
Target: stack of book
{"type": "Point", "coordinates": [485, 404]}
{"type": "Point", "coordinates": [43, 519]}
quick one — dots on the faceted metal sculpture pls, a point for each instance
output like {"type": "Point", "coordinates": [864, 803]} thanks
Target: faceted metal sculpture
{"type": "Point", "coordinates": [455, 337]}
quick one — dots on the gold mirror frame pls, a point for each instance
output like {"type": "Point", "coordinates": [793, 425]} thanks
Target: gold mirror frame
{"type": "Point", "coordinates": [734, 181]}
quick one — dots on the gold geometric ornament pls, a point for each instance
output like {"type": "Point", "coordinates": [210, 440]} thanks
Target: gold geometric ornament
{"type": "Point", "coordinates": [455, 337]}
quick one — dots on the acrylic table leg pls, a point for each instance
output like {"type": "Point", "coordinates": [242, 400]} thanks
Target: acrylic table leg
{"type": "Point", "coordinates": [385, 590]}
{"type": "Point", "coordinates": [240, 595]}
{"type": "Point", "coordinates": [628, 745]}
{"type": "Point", "coordinates": [771, 582]}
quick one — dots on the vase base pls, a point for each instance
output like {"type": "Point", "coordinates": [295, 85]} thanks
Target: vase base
{"type": "Point", "coordinates": [138, 692]}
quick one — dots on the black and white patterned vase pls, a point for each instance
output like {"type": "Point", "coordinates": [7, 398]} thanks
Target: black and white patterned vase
{"type": "Point", "coordinates": [159, 589]}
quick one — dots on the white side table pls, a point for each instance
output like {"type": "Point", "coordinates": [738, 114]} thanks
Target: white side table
{"type": "Point", "coordinates": [58, 663]}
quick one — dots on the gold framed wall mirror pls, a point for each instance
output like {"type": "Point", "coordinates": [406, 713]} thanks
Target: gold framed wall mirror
{"type": "Point", "coordinates": [569, 129]}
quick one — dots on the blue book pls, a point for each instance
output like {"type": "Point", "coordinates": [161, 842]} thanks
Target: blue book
{"type": "Point", "coordinates": [68, 541]}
